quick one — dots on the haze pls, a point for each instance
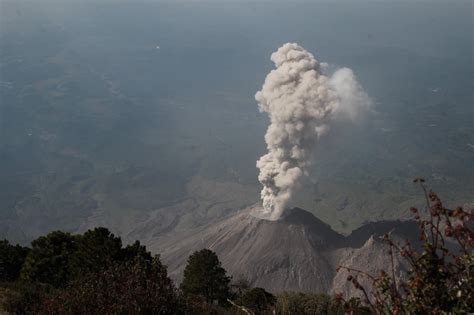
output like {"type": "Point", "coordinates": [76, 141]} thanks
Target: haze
{"type": "Point", "coordinates": [129, 113]}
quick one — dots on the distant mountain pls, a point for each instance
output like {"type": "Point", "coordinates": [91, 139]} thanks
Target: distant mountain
{"type": "Point", "coordinates": [297, 252]}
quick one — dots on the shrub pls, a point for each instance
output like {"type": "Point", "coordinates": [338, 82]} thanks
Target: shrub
{"type": "Point", "coordinates": [440, 279]}
{"type": "Point", "coordinates": [317, 304]}
{"type": "Point", "coordinates": [258, 300]}
{"type": "Point", "coordinates": [136, 287]}
{"type": "Point", "coordinates": [12, 259]}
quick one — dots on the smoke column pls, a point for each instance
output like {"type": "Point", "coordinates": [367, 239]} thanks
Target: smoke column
{"type": "Point", "coordinates": [301, 102]}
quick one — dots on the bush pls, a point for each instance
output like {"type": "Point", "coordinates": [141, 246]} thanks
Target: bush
{"type": "Point", "coordinates": [441, 277]}
{"type": "Point", "coordinates": [315, 304]}
{"type": "Point", "coordinates": [258, 300]}
{"type": "Point", "coordinates": [136, 287]}
{"type": "Point", "coordinates": [24, 298]}
{"type": "Point", "coordinates": [12, 259]}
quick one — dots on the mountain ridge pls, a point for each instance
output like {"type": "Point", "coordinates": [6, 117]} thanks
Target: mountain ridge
{"type": "Point", "coordinates": [297, 252]}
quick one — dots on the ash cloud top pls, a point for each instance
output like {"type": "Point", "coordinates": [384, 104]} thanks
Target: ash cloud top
{"type": "Point", "coordinates": [301, 102]}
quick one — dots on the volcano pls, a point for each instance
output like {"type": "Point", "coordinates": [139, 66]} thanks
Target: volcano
{"type": "Point", "coordinates": [297, 252]}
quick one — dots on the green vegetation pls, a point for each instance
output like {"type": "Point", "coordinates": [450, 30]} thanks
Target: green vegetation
{"type": "Point", "coordinates": [140, 286]}
{"type": "Point", "coordinates": [205, 277]}
{"type": "Point", "coordinates": [307, 303]}
{"type": "Point", "coordinates": [94, 273]}
{"type": "Point", "coordinates": [97, 249]}
{"type": "Point", "coordinates": [86, 274]}
{"type": "Point", "coordinates": [58, 258]}
{"type": "Point", "coordinates": [258, 300]}
{"type": "Point", "coordinates": [11, 260]}
{"type": "Point", "coordinates": [50, 259]}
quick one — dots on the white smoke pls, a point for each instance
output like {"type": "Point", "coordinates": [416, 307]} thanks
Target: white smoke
{"type": "Point", "coordinates": [301, 102]}
{"type": "Point", "coordinates": [353, 102]}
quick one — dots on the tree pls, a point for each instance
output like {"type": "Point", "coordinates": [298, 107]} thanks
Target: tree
{"type": "Point", "coordinates": [97, 250]}
{"type": "Point", "coordinates": [91, 273]}
{"type": "Point", "coordinates": [139, 286]}
{"type": "Point", "coordinates": [258, 300]}
{"type": "Point", "coordinates": [60, 257]}
{"type": "Point", "coordinates": [49, 260]}
{"type": "Point", "coordinates": [130, 252]}
{"type": "Point", "coordinates": [205, 277]}
{"type": "Point", "coordinates": [11, 260]}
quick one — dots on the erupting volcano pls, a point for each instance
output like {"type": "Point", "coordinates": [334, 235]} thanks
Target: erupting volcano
{"type": "Point", "coordinates": [302, 102]}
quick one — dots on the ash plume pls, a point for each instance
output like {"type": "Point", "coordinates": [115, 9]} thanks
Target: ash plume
{"type": "Point", "coordinates": [301, 102]}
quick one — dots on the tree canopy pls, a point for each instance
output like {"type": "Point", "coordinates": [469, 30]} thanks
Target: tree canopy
{"type": "Point", "coordinates": [60, 257]}
{"type": "Point", "coordinates": [49, 260]}
{"type": "Point", "coordinates": [205, 277]}
{"type": "Point", "coordinates": [12, 258]}
{"type": "Point", "coordinates": [97, 249]}
{"type": "Point", "coordinates": [139, 286]}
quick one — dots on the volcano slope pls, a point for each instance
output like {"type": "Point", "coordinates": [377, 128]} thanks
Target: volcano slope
{"type": "Point", "coordinates": [298, 252]}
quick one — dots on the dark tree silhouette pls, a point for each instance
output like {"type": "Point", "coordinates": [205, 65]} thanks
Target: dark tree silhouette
{"type": "Point", "coordinates": [12, 258]}
{"type": "Point", "coordinates": [205, 277]}
{"type": "Point", "coordinates": [49, 260]}
{"type": "Point", "coordinates": [97, 250]}
{"type": "Point", "coordinates": [140, 286]}
{"type": "Point", "coordinates": [130, 252]}
{"type": "Point", "coordinates": [258, 300]}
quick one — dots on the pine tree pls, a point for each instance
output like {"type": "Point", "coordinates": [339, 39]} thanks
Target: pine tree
{"type": "Point", "coordinates": [205, 277]}
{"type": "Point", "coordinates": [49, 260]}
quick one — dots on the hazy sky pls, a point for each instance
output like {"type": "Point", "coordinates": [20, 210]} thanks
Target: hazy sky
{"type": "Point", "coordinates": [85, 94]}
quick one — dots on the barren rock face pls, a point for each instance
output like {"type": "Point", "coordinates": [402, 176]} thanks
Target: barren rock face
{"type": "Point", "coordinates": [297, 252]}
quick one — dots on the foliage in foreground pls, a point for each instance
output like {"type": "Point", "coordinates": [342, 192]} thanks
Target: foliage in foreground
{"type": "Point", "coordinates": [93, 274]}
{"type": "Point", "coordinates": [309, 304]}
{"type": "Point", "coordinates": [12, 258]}
{"type": "Point", "coordinates": [59, 258]}
{"type": "Point", "coordinates": [137, 287]}
{"type": "Point", "coordinates": [441, 277]}
{"type": "Point", "coordinates": [258, 300]}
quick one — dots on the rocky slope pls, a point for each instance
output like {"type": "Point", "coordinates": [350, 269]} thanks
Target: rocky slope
{"type": "Point", "coordinates": [297, 252]}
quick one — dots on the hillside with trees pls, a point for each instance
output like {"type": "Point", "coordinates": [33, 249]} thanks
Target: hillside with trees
{"type": "Point", "coordinates": [94, 273]}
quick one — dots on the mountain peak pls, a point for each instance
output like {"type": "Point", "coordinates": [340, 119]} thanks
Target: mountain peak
{"type": "Point", "coordinates": [297, 252]}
